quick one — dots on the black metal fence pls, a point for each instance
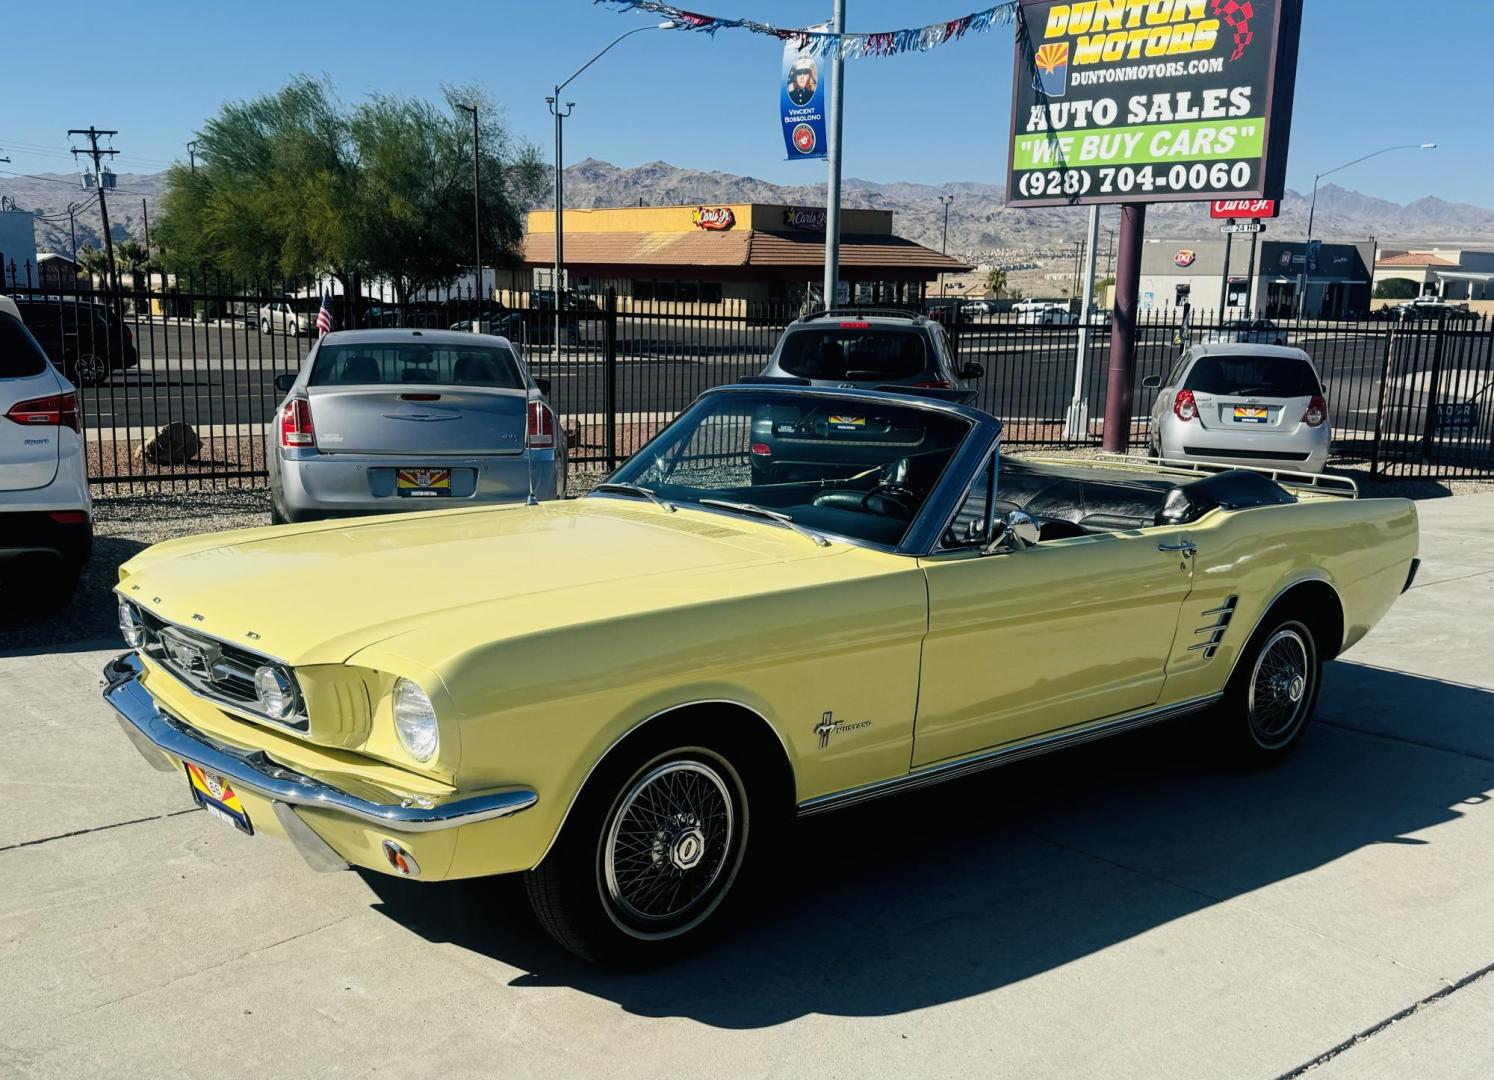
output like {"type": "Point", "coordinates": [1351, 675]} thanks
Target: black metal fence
{"type": "Point", "coordinates": [1406, 398]}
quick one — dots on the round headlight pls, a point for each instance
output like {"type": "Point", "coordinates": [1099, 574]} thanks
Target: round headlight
{"type": "Point", "coordinates": [130, 624]}
{"type": "Point", "coordinates": [277, 696]}
{"type": "Point", "coordinates": [415, 720]}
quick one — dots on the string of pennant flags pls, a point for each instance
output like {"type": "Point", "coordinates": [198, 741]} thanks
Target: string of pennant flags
{"type": "Point", "coordinates": [819, 42]}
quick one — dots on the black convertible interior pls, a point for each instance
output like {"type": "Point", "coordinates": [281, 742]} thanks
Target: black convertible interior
{"type": "Point", "coordinates": [1070, 500]}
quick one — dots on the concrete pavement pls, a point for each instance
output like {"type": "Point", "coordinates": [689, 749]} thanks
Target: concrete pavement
{"type": "Point", "coordinates": [1121, 911]}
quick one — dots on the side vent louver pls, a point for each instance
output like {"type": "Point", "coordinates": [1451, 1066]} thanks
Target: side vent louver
{"type": "Point", "coordinates": [1214, 631]}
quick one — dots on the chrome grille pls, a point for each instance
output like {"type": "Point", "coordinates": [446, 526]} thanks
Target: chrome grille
{"type": "Point", "coordinates": [213, 668]}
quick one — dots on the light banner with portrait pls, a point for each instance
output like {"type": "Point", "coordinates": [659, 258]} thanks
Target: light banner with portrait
{"type": "Point", "coordinates": [802, 95]}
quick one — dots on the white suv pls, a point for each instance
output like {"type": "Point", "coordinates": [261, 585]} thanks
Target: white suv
{"type": "Point", "coordinates": [46, 519]}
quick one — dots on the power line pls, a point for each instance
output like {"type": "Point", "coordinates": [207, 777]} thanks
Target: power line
{"type": "Point", "coordinates": [92, 133]}
{"type": "Point", "coordinates": [70, 183]}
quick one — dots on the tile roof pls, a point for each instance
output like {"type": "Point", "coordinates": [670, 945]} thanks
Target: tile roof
{"type": "Point", "coordinates": [748, 248]}
{"type": "Point", "coordinates": [1412, 258]}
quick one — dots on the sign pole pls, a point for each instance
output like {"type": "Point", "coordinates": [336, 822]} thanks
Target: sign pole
{"type": "Point", "coordinates": [1255, 238]}
{"type": "Point", "coordinates": [1076, 423]}
{"type": "Point", "coordinates": [1120, 386]}
{"type": "Point", "coordinates": [1229, 241]}
{"type": "Point", "coordinates": [832, 189]}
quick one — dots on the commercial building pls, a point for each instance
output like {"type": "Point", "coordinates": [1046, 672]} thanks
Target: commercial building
{"type": "Point", "coordinates": [17, 246]}
{"type": "Point", "coordinates": [1451, 273]}
{"type": "Point", "coordinates": [728, 255]}
{"type": "Point", "coordinates": [1283, 279]}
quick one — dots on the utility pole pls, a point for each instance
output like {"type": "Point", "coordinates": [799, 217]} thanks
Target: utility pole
{"type": "Point", "coordinates": [560, 114]}
{"type": "Point", "coordinates": [72, 229]}
{"type": "Point", "coordinates": [98, 156]}
{"type": "Point", "coordinates": [145, 213]}
{"type": "Point", "coordinates": [944, 200]}
{"type": "Point", "coordinates": [1250, 308]}
{"type": "Point", "coordinates": [476, 205]}
{"type": "Point", "coordinates": [832, 159]}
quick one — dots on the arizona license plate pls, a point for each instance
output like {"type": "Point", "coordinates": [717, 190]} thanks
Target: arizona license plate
{"type": "Point", "coordinates": [423, 483]}
{"type": "Point", "coordinates": [216, 795]}
{"type": "Point", "coordinates": [1251, 414]}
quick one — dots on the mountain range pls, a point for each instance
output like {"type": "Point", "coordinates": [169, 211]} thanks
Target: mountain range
{"type": "Point", "coordinates": [980, 225]}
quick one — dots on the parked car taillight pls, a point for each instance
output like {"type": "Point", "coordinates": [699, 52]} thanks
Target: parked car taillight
{"type": "Point", "coordinates": [541, 433]}
{"type": "Point", "coordinates": [937, 384]}
{"type": "Point", "coordinates": [295, 424]}
{"type": "Point", "coordinates": [1184, 407]}
{"type": "Point", "coordinates": [1317, 412]}
{"type": "Point", "coordinates": [55, 410]}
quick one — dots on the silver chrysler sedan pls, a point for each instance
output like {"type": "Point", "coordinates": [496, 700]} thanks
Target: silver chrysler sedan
{"type": "Point", "coordinates": [1242, 404]}
{"type": "Point", "coordinates": [388, 420]}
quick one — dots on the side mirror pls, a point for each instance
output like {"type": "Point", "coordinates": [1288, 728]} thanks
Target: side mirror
{"type": "Point", "coordinates": [283, 383]}
{"type": "Point", "coordinates": [544, 385]}
{"type": "Point", "coordinates": [972, 371]}
{"type": "Point", "coordinates": [1152, 382]}
{"type": "Point", "coordinates": [1015, 532]}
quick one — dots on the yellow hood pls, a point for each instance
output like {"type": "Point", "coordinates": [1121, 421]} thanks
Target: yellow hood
{"type": "Point", "coordinates": [320, 592]}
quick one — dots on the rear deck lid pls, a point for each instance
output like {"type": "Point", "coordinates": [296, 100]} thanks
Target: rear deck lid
{"type": "Point", "coordinates": [417, 398]}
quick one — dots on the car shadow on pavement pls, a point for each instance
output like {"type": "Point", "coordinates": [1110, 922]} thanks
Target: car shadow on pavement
{"type": "Point", "coordinates": [938, 895]}
{"type": "Point", "coordinates": [85, 620]}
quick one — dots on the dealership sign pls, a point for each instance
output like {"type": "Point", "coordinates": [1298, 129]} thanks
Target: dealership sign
{"type": "Point", "coordinates": [1255, 209]}
{"type": "Point", "coordinates": [713, 217]}
{"type": "Point", "coordinates": [1136, 101]}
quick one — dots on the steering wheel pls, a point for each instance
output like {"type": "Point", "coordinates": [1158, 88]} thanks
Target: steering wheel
{"type": "Point", "coordinates": [891, 485]}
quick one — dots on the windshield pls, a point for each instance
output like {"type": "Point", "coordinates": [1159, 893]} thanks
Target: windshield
{"type": "Point", "coordinates": [1259, 376]}
{"type": "Point", "coordinates": [365, 363]}
{"type": "Point", "coordinates": [853, 352]}
{"type": "Point", "coordinates": [851, 467]}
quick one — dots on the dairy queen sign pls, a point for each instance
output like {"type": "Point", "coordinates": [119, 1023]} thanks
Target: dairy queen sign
{"type": "Point", "coordinates": [713, 217]}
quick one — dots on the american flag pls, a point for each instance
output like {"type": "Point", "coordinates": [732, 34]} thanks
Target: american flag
{"type": "Point", "coordinates": [324, 315]}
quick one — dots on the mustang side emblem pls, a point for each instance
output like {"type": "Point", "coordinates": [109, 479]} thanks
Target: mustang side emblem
{"type": "Point", "coordinates": [829, 726]}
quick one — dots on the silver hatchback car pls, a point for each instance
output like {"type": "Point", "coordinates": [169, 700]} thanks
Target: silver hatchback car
{"type": "Point", "coordinates": [1242, 404]}
{"type": "Point", "coordinates": [390, 420]}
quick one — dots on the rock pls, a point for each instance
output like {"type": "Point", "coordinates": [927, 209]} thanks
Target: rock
{"type": "Point", "coordinates": [174, 444]}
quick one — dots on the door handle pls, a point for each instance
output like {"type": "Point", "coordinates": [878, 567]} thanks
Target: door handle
{"type": "Point", "coordinates": [1187, 547]}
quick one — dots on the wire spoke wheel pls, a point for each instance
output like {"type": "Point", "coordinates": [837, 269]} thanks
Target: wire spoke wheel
{"type": "Point", "coordinates": [670, 838]}
{"type": "Point", "coordinates": [1280, 688]}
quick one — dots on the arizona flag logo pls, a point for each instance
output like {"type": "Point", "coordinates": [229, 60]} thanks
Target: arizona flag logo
{"type": "Point", "coordinates": [1052, 77]}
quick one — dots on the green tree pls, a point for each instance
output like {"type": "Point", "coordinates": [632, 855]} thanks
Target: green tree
{"type": "Point", "coordinates": [295, 184]}
{"type": "Point", "coordinates": [1397, 288]}
{"type": "Point", "coordinates": [995, 281]}
{"type": "Point", "coordinates": [94, 261]}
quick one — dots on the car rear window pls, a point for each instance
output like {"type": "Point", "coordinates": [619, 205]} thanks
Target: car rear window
{"type": "Point", "coordinates": [853, 354]}
{"type": "Point", "coordinates": [19, 355]}
{"type": "Point", "coordinates": [1259, 376]}
{"type": "Point", "coordinates": [415, 362]}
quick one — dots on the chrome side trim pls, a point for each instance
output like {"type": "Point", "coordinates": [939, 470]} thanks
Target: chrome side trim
{"type": "Point", "coordinates": [255, 771]}
{"type": "Point", "coordinates": [1216, 629]}
{"type": "Point", "coordinates": [950, 770]}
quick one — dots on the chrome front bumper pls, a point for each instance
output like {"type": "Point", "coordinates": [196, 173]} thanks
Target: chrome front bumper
{"type": "Point", "coordinates": [154, 733]}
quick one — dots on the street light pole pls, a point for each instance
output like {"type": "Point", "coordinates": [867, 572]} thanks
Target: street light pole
{"type": "Point", "coordinates": [1312, 209]}
{"type": "Point", "coordinates": [560, 113]}
{"type": "Point", "coordinates": [944, 200]}
{"type": "Point", "coordinates": [832, 159]}
{"type": "Point", "coordinates": [476, 205]}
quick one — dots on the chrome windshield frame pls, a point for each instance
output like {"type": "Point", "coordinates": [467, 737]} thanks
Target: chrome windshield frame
{"type": "Point", "coordinates": [923, 534]}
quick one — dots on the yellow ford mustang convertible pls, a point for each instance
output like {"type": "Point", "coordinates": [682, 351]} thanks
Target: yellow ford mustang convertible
{"type": "Point", "coordinates": [792, 600]}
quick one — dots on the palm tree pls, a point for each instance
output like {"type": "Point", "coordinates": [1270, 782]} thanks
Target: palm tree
{"type": "Point", "coordinates": [995, 281]}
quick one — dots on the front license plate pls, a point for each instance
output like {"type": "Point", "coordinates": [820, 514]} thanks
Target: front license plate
{"type": "Point", "coordinates": [423, 483]}
{"type": "Point", "coordinates": [1251, 414]}
{"type": "Point", "coordinates": [216, 795]}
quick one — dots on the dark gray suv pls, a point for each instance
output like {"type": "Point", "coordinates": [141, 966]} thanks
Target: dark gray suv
{"type": "Point", "coordinates": [868, 349]}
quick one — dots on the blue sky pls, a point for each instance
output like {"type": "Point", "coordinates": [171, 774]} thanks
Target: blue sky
{"type": "Point", "coordinates": [1374, 72]}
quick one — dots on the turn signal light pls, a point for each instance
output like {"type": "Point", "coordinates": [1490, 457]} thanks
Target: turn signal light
{"type": "Point", "coordinates": [295, 424]}
{"type": "Point", "coordinates": [1317, 412]}
{"type": "Point", "coordinates": [55, 410]}
{"type": "Point", "coordinates": [1184, 406]}
{"type": "Point", "coordinates": [541, 433]}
